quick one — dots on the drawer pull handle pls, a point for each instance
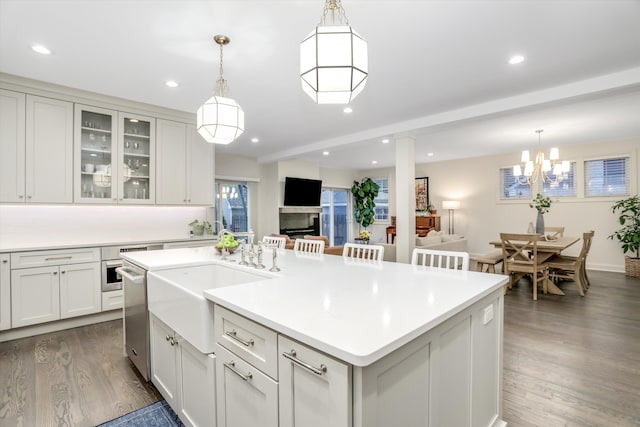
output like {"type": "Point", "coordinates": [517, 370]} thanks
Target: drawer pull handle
{"type": "Point", "coordinates": [232, 367]}
{"type": "Point", "coordinates": [55, 258]}
{"type": "Point", "coordinates": [233, 334]}
{"type": "Point", "coordinates": [292, 356]}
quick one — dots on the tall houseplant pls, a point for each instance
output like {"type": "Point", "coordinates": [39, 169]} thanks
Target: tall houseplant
{"type": "Point", "coordinates": [364, 194]}
{"type": "Point", "coordinates": [628, 211]}
{"type": "Point", "coordinates": [542, 205]}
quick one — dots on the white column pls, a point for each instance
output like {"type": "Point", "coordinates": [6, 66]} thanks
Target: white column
{"type": "Point", "coordinates": [405, 196]}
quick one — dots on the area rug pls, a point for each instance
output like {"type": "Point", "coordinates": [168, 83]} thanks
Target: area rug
{"type": "Point", "coordinates": [157, 414]}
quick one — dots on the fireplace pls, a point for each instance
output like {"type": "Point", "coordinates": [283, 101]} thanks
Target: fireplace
{"type": "Point", "coordinates": [295, 222]}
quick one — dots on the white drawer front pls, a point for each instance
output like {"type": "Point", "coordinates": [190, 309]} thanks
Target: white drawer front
{"type": "Point", "coordinates": [112, 300]}
{"type": "Point", "coordinates": [252, 342]}
{"type": "Point", "coordinates": [56, 257]}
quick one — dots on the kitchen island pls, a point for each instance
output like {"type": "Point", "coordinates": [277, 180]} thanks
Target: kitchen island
{"type": "Point", "coordinates": [330, 341]}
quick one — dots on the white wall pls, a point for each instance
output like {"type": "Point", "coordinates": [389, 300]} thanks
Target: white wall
{"type": "Point", "coordinates": [475, 182]}
{"type": "Point", "coordinates": [236, 167]}
{"type": "Point", "coordinates": [22, 225]}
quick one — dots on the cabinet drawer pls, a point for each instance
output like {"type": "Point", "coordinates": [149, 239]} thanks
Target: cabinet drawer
{"type": "Point", "coordinates": [249, 340]}
{"type": "Point", "coordinates": [112, 300]}
{"type": "Point", "coordinates": [56, 257]}
{"type": "Point", "coordinates": [245, 396]}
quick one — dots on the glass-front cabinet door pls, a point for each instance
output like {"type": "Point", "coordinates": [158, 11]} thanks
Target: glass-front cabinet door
{"type": "Point", "coordinates": [136, 165]}
{"type": "Point", "coordinates": [114, 157]}
{"type": "Point", "coordinates": [94, 153]}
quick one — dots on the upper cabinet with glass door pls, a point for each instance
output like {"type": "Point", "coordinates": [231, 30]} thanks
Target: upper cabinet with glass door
{"type": "Point", "coordinates": [95, 152]}
{"type": "Point", "coordinates": [114, 157]}
{"type": "Point", "coordinates": [137, 159]}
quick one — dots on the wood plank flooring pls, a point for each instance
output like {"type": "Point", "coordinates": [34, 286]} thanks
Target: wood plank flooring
{"type": "Point", "coordinates": [76, 377]}
{"type": "Point", "coordinates": [572, 360]}
{"type": "Point", "coordinates": [568, 361]}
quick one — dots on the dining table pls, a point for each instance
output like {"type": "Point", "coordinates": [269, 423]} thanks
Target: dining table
{"type": "Point", "coordinates": [547, 249]}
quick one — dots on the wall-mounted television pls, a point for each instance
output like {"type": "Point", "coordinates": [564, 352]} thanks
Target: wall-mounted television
{"type": "Point", "coordinates": [302, 191]}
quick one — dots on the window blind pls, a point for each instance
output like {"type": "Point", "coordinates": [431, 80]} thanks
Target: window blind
{"type": "Point", "coordinates": [606, 177]}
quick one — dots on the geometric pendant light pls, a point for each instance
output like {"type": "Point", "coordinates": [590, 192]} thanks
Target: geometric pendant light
{"type": "Point", "coordinates": [220, 120]}
{"type": "Point", "coordinates": [333, 59]}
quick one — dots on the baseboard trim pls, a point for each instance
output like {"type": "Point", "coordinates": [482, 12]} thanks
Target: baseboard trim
{"type": "Point", "coordinates": [59, 325]}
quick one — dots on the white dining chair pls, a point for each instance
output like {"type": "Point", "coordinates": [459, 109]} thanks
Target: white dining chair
{"type": "Point", "coordinates": [440, 259]}
{"type": "Point", "coordinates": [357, 250]}
{"type": "Point", "coordinates": [309, 246]}
{"type": "Point", "coordinates": [274, 242]}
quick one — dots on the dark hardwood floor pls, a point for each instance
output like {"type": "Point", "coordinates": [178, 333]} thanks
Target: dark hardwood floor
{"type": "Point", "coordinates": [568, 361]}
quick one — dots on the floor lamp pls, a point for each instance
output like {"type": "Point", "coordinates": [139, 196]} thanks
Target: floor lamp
{"type": "Point", "coordinates": [451, 205]}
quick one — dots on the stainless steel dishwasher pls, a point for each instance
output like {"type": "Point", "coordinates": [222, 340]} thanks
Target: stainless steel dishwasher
{"type": "Point", "coordinates": [136, 316]}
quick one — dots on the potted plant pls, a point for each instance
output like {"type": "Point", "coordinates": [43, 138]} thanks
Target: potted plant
{"type": "Point", "coordinates": [432, 209]}
{"type": "Point", "coordinates": [364, 194]}
{"type": "Point", "coordinates": [628, 211]}
{"type": "Point", "coordinates": [196, 227]}
{"type": "Point", "coordinates": [542, 205]}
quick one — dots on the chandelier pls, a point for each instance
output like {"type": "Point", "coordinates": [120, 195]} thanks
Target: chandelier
{"type": "Point", "coordinates": [333, 59]}
{"type": "Point", "coordinates": [220, 120]}
{"type": "Point", "coordinates": [550, 170]}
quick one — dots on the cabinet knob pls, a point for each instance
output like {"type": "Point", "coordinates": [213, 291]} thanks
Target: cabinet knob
{"type": "Point", "coordinates": [28, 197]}
{"type": "Point", "coordinates": [115, 200]}
{"type": "Point", "coordinates": [184, 200]}
{"type": "Point", "coordinates": [4, 261]}
{"type": "Point", "coordinates": [62, 272]}
{"type": "Point", "coordinates": [189, 200]}
{"type": "Point", "coordinates": [121, 198]}
{"type": "Point", "coordinates": [20, 196]}
{"type": "Point", "coordinates": [167, 338]}
{"type": "Point", "coordinates": [55, 273]}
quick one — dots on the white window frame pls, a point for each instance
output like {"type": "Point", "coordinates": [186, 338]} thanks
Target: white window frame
{"type": "Point", "coordinates": [388, 219]}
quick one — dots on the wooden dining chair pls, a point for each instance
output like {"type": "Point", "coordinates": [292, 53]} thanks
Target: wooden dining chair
{"type": "Point", "coordinates": [274, 242]}
{"type": "Point", "coordinates": [357, 250]}
{"type": "Point", "coordinates": [309, 246]}
{"type": "Point", "coordinates": [440, 259]}
{"type": "Point", "coordinates": [554, 232]}
{"type": "Point", "coordinates": [520, 256]}
{"type": "Point", "coordinates": [573, 268]}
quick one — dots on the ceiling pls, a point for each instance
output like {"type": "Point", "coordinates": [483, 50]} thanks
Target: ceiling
{"type": "Point", "coordinates": [437, 69]}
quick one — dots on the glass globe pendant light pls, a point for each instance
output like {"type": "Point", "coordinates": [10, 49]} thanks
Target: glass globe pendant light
{"type": "Point", "coordinates": [220, 120]}
{"type": "Point", "coordinates": [333, 59]}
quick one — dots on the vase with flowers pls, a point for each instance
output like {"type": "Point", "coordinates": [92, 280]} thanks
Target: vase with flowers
{"type": "Point", "coordinates": [542, 205]}
{"type": "Point", "coordinates": [364, 236]}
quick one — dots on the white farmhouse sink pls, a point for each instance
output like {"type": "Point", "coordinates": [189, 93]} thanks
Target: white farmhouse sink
{"type": "Point", "coordinates": [176, 297]}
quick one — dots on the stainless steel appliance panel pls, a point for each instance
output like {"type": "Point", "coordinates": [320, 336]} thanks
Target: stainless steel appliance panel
{"type": "Point", "coordinates": [136, 317]}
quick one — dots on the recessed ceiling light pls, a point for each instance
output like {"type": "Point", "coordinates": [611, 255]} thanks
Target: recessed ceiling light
{"type": "Point", "coordinates": [429, 154]}
{"type": "Point", "coordinates": [255, 140]}
{"type": "Point", "coordinates": [325, 153]}
{"type": "Point", "coordinates": [171, 83]}
{"type": "Point", "coordinates": [348, 110]}
{"type": "Point", "coordinates": [385, 141]}
{"type": "Point", "coordinates": [374, 162]}
{"type": "Point", "coordinates": [40, 49]}
{"type": "Point", "coordinates": [516, 59]}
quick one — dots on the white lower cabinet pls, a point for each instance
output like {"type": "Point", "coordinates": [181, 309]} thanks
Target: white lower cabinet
{"type": "Point", "coordinates": [315, 389]}
{"type": "Point", "coordinates": [245, 396]}
{"type": "Point", "coordinates": [54, 285]}
{"type": "Point", "coordinates": [80, 292]}
{"type": "Point", "coordinates": [5, 292]}
{"type": "Point", "coordinates": [112, 300]}
{"type": "Point", "coordinates": [184, 376]}
{"type": "Point", "coordinates": [35, 296]}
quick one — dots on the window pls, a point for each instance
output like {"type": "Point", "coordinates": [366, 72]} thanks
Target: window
{"type": "Point", "coordinates": [512, 188]}
{"type": "Point", "coordinates": [382, 201]}
{"type": "Point", "coordinates": [563, 185]}
{"type": "Point", "coordinates": [232, 206]}
{"type": "Point", "coordinates": [606, 177]}
{"type": "Point", "coordinates": [335, 208]}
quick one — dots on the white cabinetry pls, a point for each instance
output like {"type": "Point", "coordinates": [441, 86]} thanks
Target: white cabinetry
{"type": "Point", "coordinates": [246, 396]}
{"type": "Point", "coordinates": [114, 157]}
{"type": "Point", "coordinates": [185, 165]}
{"type": "Point", "coordinates": [5, 292]}
{"type": "Point", "coordinates": [53, 285]}
{"type": "Point", "coordinates": [315, 389]}
{"type": "Point", "coordinates": [184, 376]}
{"type": "Point", "coordinates": [36, 137]}
{"type": "Point", "coordinates": [12, 146]}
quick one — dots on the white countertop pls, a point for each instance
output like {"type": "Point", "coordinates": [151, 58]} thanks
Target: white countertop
{"type": "Point", "coordinates": [34, 243]}
{"type": "Point", "coordinates": [356, 311]}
